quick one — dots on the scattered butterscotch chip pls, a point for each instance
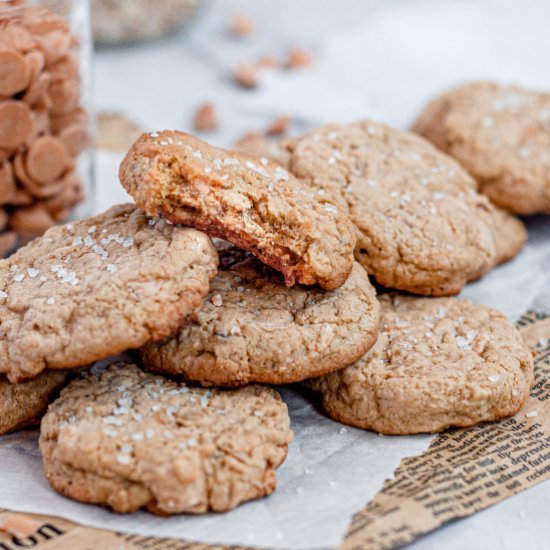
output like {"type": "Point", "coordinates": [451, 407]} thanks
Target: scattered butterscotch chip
{"type": "Point", "coordinates": [279, 126]}
{"type": "Point", "coordinates": [241, 25]}
{"type": "Point", "coordinates": [297, 57]}
{"type": "Point", "coordinates": [245, 75]}
{"type": "Point", "coordinates": [31, 221]}
{"type": "Point", "coordinates": [115, 131]}
{"type": "Point", "coordinates": [14, 73]}
{"type": "Point", "coordinates": [47, 159]}
{"type": "Point", "coordinates": [267, 62]}
{"type": "Point", "coordinates": [8, 240]}
{"type": "Point", "coordinates": [7, 183]}
{"type": "Point", "coordinates": [15, 123]}
{"type": "Point", "coordinates": [206, 118]}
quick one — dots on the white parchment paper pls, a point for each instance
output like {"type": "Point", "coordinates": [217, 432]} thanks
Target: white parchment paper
{"type": "Point", "coordinates": [386, 68]}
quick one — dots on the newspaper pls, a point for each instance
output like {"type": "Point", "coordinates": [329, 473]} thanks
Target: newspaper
{"type": "Point", "coordinates": [463, 471]}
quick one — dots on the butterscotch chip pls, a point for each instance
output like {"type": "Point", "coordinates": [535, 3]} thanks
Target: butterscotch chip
{"type": "Point", "coordinates": [205, 118]}
{"type": "Point", "coordinates": [64, 95]}
{"type": "Point", "coordinates": [36, 63]}
{"type": "Point", "coordinates": [76, 116]}
{"type": "Point", "coordinates": [252, 328]}
{"type": "Point", "coordinates": [65, 67]}
{"type": "Point", "coordinates": [60, 216]}
{"type": "Point", "coordinates": [47, 159]}
{"type": "Point", "coordinates": [297, 57]}
{"type": "Point", "coordinates": [501, 135]}
{"type": "Point", "coordinates": [241, 25]}
{"type": "Point", "coordinates": [55, 45]}
{"type": "Point", "coordinates": [100, 442]}
{"type": "Point", "coordinates": [38, 89]}
{"type": "Point", "coordinates": [437, 363]}
{"type": "Point", "coordinates": [40, 123]}
{"type": "Point", "coordinates": [36, 189]}
{"type": "Point", "coordinates": [40, 20]}
{"type": "Point", "coordinates": [421, 224]}
{"type": "Point", "coordinates": [267, 62]}
{"type": "Point", "coordinates": [21, 198]}
{"type": "Point", "coordinates": [15, 123]}
{"type": "Point", "coordinates": [7, 183]}
{"type": "Point", "coordinates": [71, 194]}
{"type": "Point", "coordinates": [279, 126]}
{"type": "Point", "coordinates": [23, 405]}
{"type": "Point", "coordinates": [75, 138]}
{"type": "Point", "coordinates": [15, 36]}
{"type": "Point", "coordinates": [14, 73]}
{"type": "Point", "coordinates": [30, 222]}
{"type": "Point", "coordinates": [5, 155]}
{"type": "Point", "coordinates": [94, 288]}
{"type": "Point", "coordinates": [8, 240]}
{"type": "Point", "coordinates": [248, 201]}
{"type": "Point", "coordinates": [245, 75]}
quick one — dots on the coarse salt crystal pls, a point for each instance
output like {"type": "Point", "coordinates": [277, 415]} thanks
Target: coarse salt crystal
{"type": "Point", "coordinates": [494, 377]}
{"type": "Point", "coordinates": [19, 277]}
{"type": "Point", "coordinates": [532, 414]}
{"type": "Point", "coordinates": [217, 300]}
{"type": "Point", "coordinates": [50, 301]}
{"type": "Point", "coordinates": [111, 268]}
{"type": "Point", "coordinates": [3, 295]}
{"type": "Point", "coordinates": [123, 459]}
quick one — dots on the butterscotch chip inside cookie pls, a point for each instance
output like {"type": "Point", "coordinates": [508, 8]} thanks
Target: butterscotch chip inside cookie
{"type": "Point", "coordinates": [252, 328]}
{"type": "Point", "coordinates": [256, 205]}
{"type": "Point", "coordinates": [421, 224]}
{"type": "Point", "coordinates": [501, 135]}
{"type": "Point", "coordinates": [438, 362]}
{"type": "Point", "coordinates": [23, 405]}
{"type": "Point", "coordinates": [128, 439]}
{"type": "Point", "coordinates": [97, 287]}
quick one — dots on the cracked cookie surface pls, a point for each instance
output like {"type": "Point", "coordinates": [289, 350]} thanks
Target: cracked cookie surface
{"type": "Point", "coordinates": [249, 201]}
{"type": "Point", "coordinates": [421, 224]}
{"type": "Point", "coordinates": [252, 328]}
{"type": "Point", "coordinates": [97, 287]}
{"type": "Point", "coordinates": [501, 135]}
{"type": "Point", "coordinates": [128, 439]}
{"type": "Point", "coordinates": [438, 362]}
{"type": "Point", "coordinates": [22, 405]}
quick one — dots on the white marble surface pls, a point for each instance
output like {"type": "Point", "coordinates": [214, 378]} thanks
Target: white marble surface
{"type": "Point", "coordinates": [372, 58]}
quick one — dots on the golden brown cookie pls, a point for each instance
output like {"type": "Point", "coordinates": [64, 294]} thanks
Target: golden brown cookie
{"type": "Point", "coordinates": [421, 224]}
{"type": "Point", "coordinates": [23, 405]}
{"type": "Point", "coordinates": [128, 439]}
{"type": "Point", "coordinates": [256, 205]}
{"type": "Point", "coordinates": [438, 362]}
{"type": "Point", "coordinates": [97, 287]}
{"type": "Point", "coordinates": [252, 328]}
{"type": "Point", "coordinates": [501, 135]}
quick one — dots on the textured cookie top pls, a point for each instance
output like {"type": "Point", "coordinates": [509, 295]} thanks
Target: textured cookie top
{"type": "Point", "coordinates": [437, 363]}
{"type": "Point", "coordinates": [252, 328]}
{"type": "Point", "coordinates": [422, 226]}
{"type": "Point", "coordinates": [501, 135]}
{"type": "Point", "coordinates": [248, 201]}
{"type": "Point", "coordinates": [97, 287]}
{"type": "Point", "coordinates": [129, 439]}
{"type": "Point", "coordinates": [23, 404]}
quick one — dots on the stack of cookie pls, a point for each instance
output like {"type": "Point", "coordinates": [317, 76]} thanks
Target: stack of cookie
{"type": "Point", "coordinates": [280, 295]}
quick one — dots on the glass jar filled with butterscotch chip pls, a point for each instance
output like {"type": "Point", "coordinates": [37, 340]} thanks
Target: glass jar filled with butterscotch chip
{"type": "Point", "coordinates": [45, 118]}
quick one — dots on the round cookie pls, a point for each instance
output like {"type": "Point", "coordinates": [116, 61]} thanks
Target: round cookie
{"type": "Point", "coordinates": [438, 362]}
{"type": "Point", "coordinates": [23, 405]}
{"type": "Point", "coordinates": [501, 135]}
{"type": "Point", "coordinates": [252, 328]}
{"type": "Point", "coordinates": [256, 205]}
{"type": "Point", "coordinates": [128, 439]}
{"type": "Point", "coordinates": [421, 224]}
{"type": "Point", "coordinates": [97, 287]}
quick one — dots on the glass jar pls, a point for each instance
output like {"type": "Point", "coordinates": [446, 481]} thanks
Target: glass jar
{"type": "Point", "coordinates": [45, 117]}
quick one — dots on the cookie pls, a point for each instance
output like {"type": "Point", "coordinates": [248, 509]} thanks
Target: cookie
{"type": "Point", "coordinates": [501, 135]}
{"type": "Point", "coordinates": [23, 405]}
{"type": "Point", "coordinates": [97, 287]}
{"type": "Point", "coordinates": [258, 145]}
{"type": "Point", "coordinates": [438, 362]}
{"type": "Point", "coordinates": [250, 202]}
{"type": "Point", "coordinates": [252, 328]}
{"type": "Point", "coordinates": [128, 439]}
{"type": "Point", "coordinates": [421, 224]}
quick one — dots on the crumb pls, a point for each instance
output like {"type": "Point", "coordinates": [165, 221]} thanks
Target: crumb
{"type": "Point", "coordinates": [279, 126]}
{"type": "Point", "coordinates": [297, 58]}
{"type": "Point", "coordinates": [206, 118]}
{"type": "Point", "coordinates": [241, 25]}
{"type": "Point", "coordinates": [249, 136]}
{"type": "Point", "coordinates": [245, 75]}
